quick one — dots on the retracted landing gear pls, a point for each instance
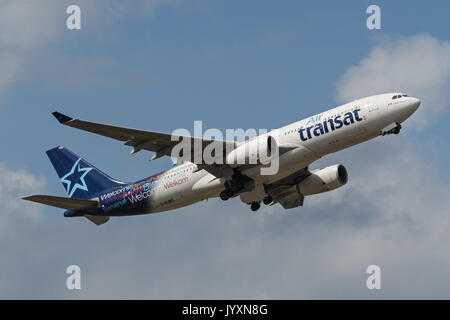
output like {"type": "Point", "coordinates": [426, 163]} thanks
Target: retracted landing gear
{"type": "Point", "coordinates": [267, 200]}
{"type": "Point", "coordinates": [393, 128]}
{"type": "Point", "coordinates": [226, 194]}
{"type": "Point", "coordinates": [396, 130]}
{"type": "Point", "coordinates": [239, 183]}
{"type": "Point", "coordinates": [255, 206]}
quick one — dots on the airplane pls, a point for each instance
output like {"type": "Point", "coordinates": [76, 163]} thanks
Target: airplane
{"type": "Point", "coordinates": [96, 196]}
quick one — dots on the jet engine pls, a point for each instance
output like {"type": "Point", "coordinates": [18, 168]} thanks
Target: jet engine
{"type": "Point", "coordinates": [258, 150]}
{"type": "Point", "coordinates": [322, 180]}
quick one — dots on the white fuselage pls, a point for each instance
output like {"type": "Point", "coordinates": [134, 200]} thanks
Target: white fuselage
{"type": "Point", "coordinates": [184, 184]}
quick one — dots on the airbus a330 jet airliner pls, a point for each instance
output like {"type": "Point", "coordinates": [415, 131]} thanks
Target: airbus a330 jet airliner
{"type": "Point", "coordinates": [96, 196]}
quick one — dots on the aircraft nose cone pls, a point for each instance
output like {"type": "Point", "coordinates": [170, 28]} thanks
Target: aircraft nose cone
{"type": "Point", "coordinates": [415, 103]}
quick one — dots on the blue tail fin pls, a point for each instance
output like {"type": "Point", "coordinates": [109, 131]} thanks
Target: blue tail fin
{"type": "Point", "coordinates": [80, 179]}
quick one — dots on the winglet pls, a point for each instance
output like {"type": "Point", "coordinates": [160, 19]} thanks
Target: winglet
{"type": "Point", "coordinates": [61, 117]}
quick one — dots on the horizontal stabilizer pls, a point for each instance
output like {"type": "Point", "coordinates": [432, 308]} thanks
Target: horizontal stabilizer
{"type": "Point", "coordinates": [65, 203]}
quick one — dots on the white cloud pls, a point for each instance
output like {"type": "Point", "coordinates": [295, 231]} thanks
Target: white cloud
{"type": "Point", "coordinates": [15, 184]}
{"type": "Point", "coordinates": [418, 65]}
{"type": "Point", "coordinates": [393, 212]}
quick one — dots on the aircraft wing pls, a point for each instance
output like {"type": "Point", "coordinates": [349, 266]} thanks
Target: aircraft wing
{"type": "Point", "coordinates": [160, 143]}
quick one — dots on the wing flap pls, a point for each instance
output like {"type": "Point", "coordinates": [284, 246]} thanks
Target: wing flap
{"type": "Point", "coordinates": [293, 200]}
{"type": "Point", "coordinates": [64, 203]}
{"type": "Point", "coordinates": [285, 191]}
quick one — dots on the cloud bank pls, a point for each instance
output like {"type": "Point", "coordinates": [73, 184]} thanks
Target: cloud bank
{"type": "Point", "coordinates": [393, 213]}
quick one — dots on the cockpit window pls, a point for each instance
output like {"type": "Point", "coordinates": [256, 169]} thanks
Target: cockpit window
{"type": "Point", "coordinates": [394, 97]}
{"type": "Point", "coordinates": [405, 95]}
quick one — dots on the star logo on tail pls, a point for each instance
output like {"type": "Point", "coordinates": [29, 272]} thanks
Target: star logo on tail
{"type": "Point", "coordinates": [74, 180]}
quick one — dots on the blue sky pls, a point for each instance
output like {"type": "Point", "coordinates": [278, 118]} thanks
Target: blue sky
{"type": "Point", "coordinates": [160, 65]}
{"type": "Point", "coordinates": [258, 65]}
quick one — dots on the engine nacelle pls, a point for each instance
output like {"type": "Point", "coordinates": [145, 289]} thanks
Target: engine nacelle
{"type": "Point", "coordinates": [258, 150]}
{"type": "Point", "coordinates": [322, 180]}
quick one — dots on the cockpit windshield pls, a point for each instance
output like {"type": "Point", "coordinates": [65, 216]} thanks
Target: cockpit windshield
{"type": "Point", "coordinates": [399, 96]}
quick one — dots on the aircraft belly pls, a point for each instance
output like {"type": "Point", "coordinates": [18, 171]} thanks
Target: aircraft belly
{"type": "Point", "coordinates": [290, 162]}
{"type": "Point", "coordinates": [170, 197]}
